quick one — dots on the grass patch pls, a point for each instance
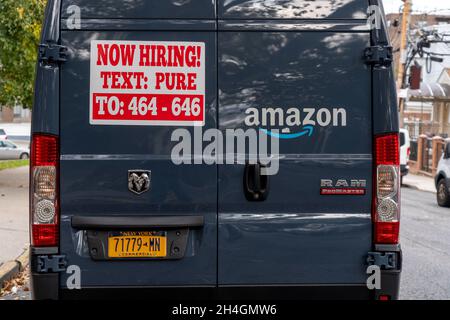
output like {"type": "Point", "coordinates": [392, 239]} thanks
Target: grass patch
{"type": "Point", "coordinates": [9, 164]}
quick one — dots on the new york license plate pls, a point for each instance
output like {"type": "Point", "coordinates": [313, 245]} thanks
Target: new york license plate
{"type": "Point", "coordinates": [137, 244]}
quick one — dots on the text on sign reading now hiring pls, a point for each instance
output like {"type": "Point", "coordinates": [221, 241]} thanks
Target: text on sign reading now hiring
{"type": "Point", "coordinates": [147, 83]}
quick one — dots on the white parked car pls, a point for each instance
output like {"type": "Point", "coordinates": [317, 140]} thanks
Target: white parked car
{"type": "Point", "coordinates": [441, 179]}
{"type": "Point", "coordinates": [3, 135]}
{"type": "Point", "coordinates": [405, 149]}
{"type": "Point", "coordinates": [10, 151]}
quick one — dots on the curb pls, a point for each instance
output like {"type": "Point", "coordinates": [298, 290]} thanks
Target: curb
{"type": "Point", "coordinates": [12, 268]}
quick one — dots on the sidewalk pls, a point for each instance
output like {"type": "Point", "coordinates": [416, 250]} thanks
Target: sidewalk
{"type": "Point", "coordinates": [419, 182]}
{"type": "Point", "coordinates": [13, 212]}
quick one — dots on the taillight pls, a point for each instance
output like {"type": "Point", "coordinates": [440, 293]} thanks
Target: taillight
{"type": "Point", "coordinates": [44, 215]}
{"type": "Point", "coordinates": [408, 152]}
{"type": "Point", "coordinates": [386, 196]}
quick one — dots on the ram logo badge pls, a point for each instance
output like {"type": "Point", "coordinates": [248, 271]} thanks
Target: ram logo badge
{"type": "Point", "coordinates": [139, 181]}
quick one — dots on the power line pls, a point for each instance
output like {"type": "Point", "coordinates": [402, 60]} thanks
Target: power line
{"type": "Point", "coordinates": [431, 11]}
{"type": "Point", "coordinates": [437, 54]}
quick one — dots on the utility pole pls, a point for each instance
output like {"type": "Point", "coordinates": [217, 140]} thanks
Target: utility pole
{"type": "Point", "coordinates": [403, 53]}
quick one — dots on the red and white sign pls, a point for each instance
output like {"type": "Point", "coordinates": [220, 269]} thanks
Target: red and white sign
{"type": "Point", "coordinates": [147, 83]}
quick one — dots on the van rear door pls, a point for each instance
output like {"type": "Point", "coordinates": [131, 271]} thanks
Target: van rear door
{"type": "Point", "coordinates": [308, 79]}
{"type": "Point", "coordinates": [100, 156]}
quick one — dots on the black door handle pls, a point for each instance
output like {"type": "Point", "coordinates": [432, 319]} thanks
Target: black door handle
{"type": "Point", "coordinates": [256, 185]}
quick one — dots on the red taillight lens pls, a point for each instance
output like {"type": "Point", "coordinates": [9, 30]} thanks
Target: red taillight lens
{"type": "Point", "coordinates": [45, 235]}
{"type": "Point", "coordinates": [386, 195]}
{"type": "Point", "coordinates": [408, 152]}
{"type": "Point", "coordinates": [387, 149]}
{"type": "Point", "coordinates": [44, 150]}
{"type": "Point", "coordinates": [387, 232]}
{"type": "Point", "coordinates": [44, 215]}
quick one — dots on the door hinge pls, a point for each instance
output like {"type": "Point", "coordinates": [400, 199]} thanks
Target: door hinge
{"type": "Point", "coordinates": [56, 263]}
{"type": "Point", "coordinates": [51, 53]}
{"type": "Point", "coordinates": [385, 260]}
{"type": "Point", "coordinates": [378, 56]}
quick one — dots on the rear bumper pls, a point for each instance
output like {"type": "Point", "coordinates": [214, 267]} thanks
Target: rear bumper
{"type": "Point", "coordinates": [310, 292]}
{"type": "Point", "coordinates": [390, 285]}
{"type": "Point", "coordinates": [46, 286]}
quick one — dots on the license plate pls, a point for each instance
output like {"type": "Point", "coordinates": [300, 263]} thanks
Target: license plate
{"type": "Point", "coordinates": [137, 244]}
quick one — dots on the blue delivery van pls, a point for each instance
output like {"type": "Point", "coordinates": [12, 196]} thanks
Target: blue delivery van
{"type": "Point", "coordinates": [136, 187]}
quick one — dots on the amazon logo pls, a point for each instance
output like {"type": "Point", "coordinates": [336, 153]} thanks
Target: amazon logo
{"type": "Point", "coordinates": [294, 123]}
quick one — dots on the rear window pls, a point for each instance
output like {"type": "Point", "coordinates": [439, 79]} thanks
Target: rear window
{"type": "Point", "coordinates": [402, 138]}
{"type": "Point", "coordinates": [2, 132]}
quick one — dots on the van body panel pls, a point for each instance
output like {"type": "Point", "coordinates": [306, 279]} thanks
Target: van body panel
{"type": "Point", "coordinates": [293, 25]}
{"type": "Point", "coordinates": [288, 238]}
{"type": "Point", "coordinates": [384, 88]}
{"type": "Point", "coordinates": [95, 160]}
{"type": "Point", "coordinates": [385, 107]}
{"type": "Point", "coordinates": [45, 117]}
{"type": "Point", "coordinates": [295, 9]}
{"type": "Point", "coordinates": [141, 24]}
{"type": "Point", "coordinates": [172, 9]}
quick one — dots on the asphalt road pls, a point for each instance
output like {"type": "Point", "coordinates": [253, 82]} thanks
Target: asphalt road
{"type": "Point", "coordinates": [425, 240]}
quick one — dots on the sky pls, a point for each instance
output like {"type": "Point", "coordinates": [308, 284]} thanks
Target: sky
{"type": "Point", "coordinates": [438, 6]}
